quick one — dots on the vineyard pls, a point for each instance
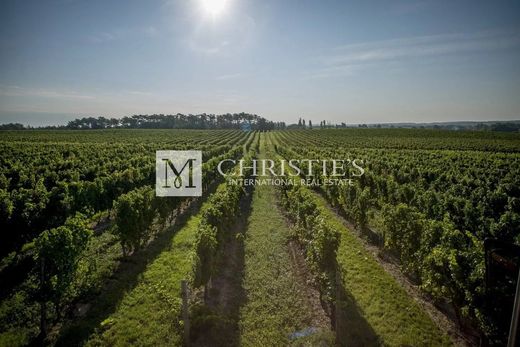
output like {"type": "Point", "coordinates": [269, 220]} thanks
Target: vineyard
{"type": "Point", "coordinates": [91, 256]}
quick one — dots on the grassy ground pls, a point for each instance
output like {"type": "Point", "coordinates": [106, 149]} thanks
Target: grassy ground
{"type": "Point", "coordinates": [121, 278]}
{"type": "Point", "coordinates": [376, 309]}
{"type": "Point", "coordinates": [141, 304]}
{"type": "Point", "coordinates": [148, 313]}
{"type": "Point", "coordinates": [275, 306]}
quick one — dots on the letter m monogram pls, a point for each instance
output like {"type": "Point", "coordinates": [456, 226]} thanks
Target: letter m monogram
{"type": "Point", "coordinates": [178, 173]}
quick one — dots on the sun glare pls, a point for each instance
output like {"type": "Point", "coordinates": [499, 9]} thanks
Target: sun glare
{"type": "Point", "coordinates": [214, 8]}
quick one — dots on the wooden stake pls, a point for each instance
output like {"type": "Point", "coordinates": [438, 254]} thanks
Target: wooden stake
{"type": "Point", "coordinates": [185, 312]}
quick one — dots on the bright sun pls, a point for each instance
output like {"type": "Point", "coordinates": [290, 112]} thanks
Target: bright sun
{"type": "Point", "coordinates": [214, 8]}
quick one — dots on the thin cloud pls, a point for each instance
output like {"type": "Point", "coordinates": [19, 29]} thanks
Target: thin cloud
{"type": "Point", "coordinates": [208, 49]}
{"type": "Point", "coordinates": [14, 91]}
{"type": "Point", "coordinates": [150, 31]}
{"type": "Point", "coordinates": [421, 46]}
{"type": "Point", "coordinates": [138, 92]}
{"type": "Point", "coordinates": [410, 7]}
{"type": "Point", "coordinates": [347, 59]}
{"type": "Point", "coordinates": [346, 70]}
{"type": "Point", "coordinates": [229, 77]}
{"type": "Point", "coordinates": [105, 37]}
{"type": "Point", "coordinates": [123, 33]}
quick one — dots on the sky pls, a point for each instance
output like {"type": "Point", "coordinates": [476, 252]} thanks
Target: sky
{"type": "Point", "coordinates": [340, 61]}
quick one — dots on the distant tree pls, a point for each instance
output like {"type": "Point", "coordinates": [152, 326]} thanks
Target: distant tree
{"type": "Point", "coordinates": [310, 124]}
{"type": "Point", "coordinates": [12, 126]}
{"type": "Point", "coordinates": [177, 121]}
{"type": "Point", "coordinates": [505, 127]}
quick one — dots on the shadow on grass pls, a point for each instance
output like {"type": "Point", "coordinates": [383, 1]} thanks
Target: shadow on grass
{"type": "Point", "coordinates": [351, 327]}
{"type": "Point", "coordinates": [217, 323]}
{"type": "Point", "coordinates": [76, 331]}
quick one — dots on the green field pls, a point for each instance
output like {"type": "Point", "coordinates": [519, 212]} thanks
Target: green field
{"type": "Point", "coordinates": [86, 240]}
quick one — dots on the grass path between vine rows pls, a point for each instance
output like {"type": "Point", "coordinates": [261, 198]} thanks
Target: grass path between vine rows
{"type": "Point", "coordinates": [278, 300]}
{"type": "Point", "coordinates": [376, 301]}
{"type": "Point", "coordinates": [147, 313]}
{"type": "Point", "coordinates": [375, 310]}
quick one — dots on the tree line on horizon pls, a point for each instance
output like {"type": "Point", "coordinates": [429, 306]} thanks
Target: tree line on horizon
{"type": "Point", "coordinates": [245, 121]}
